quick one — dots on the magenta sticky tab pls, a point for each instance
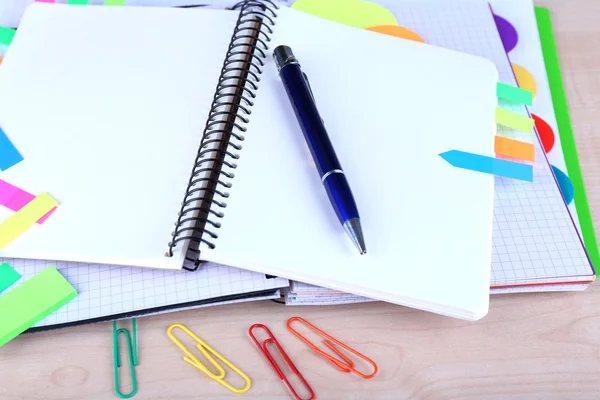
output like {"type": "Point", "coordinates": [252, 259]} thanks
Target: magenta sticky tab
{"type": "Point", "coordinates": [15, 198]}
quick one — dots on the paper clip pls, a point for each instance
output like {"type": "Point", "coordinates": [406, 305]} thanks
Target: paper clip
{"type": "Point", "coordinates": [265, 352]}
{"type": "Point", "coordinates": [205, 349]}
{"type": "Point", "coordinates": [131, 355]}
{"type": "Point", "coordinates": [346, 365]}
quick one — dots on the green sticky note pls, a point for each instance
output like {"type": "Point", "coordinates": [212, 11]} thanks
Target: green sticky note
{"type": "Point", "coordinates": [34, 300]}
{"type": "Point", "coordinates": [565, 130]}
{"type": "Point", "coordinates": [83, 2]}
{"type": "Point", "coordinates": [8, 276]}
{"type": "Point", "coordinates": [514, 120]}
{"type": "Point", "coordinates": [360, 14]}
{"type": "Point", "coordinates": [514, 94]}
{"type": "Point", "coordinates": [114, 2]}
{"type": "Point", "coordinates": [6, 35]}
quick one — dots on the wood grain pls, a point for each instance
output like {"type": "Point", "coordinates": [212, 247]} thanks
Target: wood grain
{"type": "Point", "coordinates": [530, 346]}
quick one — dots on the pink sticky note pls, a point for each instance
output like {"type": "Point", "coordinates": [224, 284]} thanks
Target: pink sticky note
{"type": "Point", "coordinates": [14, 198]}
{"type": "Point", "coordinates": [44, 1]}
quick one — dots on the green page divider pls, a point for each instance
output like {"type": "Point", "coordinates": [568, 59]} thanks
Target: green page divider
{"type": "Point", "coordinates": [567, 139]}
{"type": "Point", "coordinates": [34, 300]}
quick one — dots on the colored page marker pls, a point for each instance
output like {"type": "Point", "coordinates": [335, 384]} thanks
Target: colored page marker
{"type": "Point", "coordinates": [360, 14]}
{"type": "Point", "coordinates": [14, 198]}
{"type": "Point", "coordinates": [514, 94]}
{"type": "Point", "coordinates": [8, 276]}
{"type": "Point", "coordinates": [9, 155]}
{"type": "Point", "coordinates": [44, 1]}
{"type": "Point", "coordinates": [31, 302]}
{"type": "Point", "coordinates": [114, 2]}
{"type": "Point", "coordinates": [6, 35]}
{"type": "Point", "coordinates": [513, 120]}
{"type": "Point", "coordinates": [514, 148]}
{"type": "Point", "coordinates": [489, 165]}
{"type": "Point", "coordinates": [82, 2]}
{"type": "Point", "coordinates": [19, 222]}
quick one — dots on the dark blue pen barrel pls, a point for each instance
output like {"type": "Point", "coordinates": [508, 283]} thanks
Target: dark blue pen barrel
{"type": "Point", "coordinates": [300, 96]}
{"type": "Point", "coordinates": [341, 197]}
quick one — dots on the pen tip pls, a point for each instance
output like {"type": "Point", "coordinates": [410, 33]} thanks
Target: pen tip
{"type": "Point", "coordinates": [354, 230]}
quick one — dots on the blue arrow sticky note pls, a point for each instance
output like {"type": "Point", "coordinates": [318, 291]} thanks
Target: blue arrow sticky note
{"type": "Point", "coordinates": [489, 165]}
{"type": "Point", "coordinates": [9, 155]}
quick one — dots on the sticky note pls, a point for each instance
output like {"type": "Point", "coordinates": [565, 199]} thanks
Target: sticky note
{"type": "Point", "coordinates": [9, 155]}
{"type": "Point", "coordinates": [77, 2]}
{"type": "Point", "coordinates": [513, 120]}
{"type": "Point", "coordinates": [514, 94]}
{"type": "Point", "coordinates": [15, 198]}
{"type": "Point", "coordinates": [489, 165]}
{"type": "Point", "coordinates": [34, 300]}
{"type": "Point", "coordinates": [8, 276]}
{"type": "Point", "coordinates": [114, 2]}
{"type": "Point", "coordinates": [44, 1]}
{"type": "Point", "coordinates": [360, 14]}
{"type": "Point", "coordinates": [6, 35]}
{"type": "Point", "coordinates": [514, 148]}
{"type": "Point", "coordinates": [20, 221]}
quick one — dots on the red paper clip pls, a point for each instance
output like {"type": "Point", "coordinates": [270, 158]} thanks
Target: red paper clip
{"type": "Point", "coordinates": [265, 352]}
{"type": "Point", "coordinates": [346, 365]}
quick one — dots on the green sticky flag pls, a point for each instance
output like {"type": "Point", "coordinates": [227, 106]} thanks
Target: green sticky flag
{"type": "Point", "coordinates": [114, 2]}
{"type": "Point", "coordinates": [514, 120]}
{"type": "Point", "coordinates": [34, 300]}
{"type": "Point", "coordinates": [8, 276]}
{"type": "Point", "coordinates": [81, 2]}
{"type": "Point", "coordinates": [565, 130]}
{"type": "Point", "coordinates": [360, 14]}
{"type": "Point", "coordinates": [6, 35]}
{"type": "Point", "coordinates": [514, 94]}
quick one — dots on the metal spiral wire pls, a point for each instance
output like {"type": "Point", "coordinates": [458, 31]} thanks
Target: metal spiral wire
{"type": "Point", "coordinates": [206, 192]}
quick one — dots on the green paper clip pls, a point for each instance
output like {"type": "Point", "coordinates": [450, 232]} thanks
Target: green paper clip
{"type": "Point", "coordinates": [132, 355]}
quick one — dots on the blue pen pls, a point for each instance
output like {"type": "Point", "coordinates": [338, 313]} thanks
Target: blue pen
{"type": "Point", "coordinates": [330, 170]}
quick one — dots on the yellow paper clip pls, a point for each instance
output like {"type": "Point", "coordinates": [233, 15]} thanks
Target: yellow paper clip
{"type": "Point", "coordinates": [206, 349]}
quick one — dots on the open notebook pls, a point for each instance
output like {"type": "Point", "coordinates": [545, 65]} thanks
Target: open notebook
{"type": "Point", "coordinates": [536, 245]}
{"type": "Point", "coordinates": [118, 128]}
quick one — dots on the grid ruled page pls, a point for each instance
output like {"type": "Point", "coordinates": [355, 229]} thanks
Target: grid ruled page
{"type": "Point", "coordinates": [534, 236]}
{"type": "Point", "coordinates": [108, 290]}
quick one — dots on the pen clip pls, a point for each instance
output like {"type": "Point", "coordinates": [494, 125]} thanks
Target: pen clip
{"type": "Point", "coordinates": [312, 94]}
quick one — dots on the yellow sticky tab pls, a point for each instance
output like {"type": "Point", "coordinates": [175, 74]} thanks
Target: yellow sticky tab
{"type": "Point", "coordinates": [514, 120]}
{"type": "Point", "coordinates": [514, 148]}
{"type": "Point", "coordinates": [20, 221]}
{"type": "Point", "coordinates": [360, 14]}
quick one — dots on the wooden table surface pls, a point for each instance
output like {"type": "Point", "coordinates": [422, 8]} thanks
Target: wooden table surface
{"type": "Point", "coordinates": [529, 346]}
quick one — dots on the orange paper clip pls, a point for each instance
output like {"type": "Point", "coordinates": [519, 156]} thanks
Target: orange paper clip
{"type": "Point", "coordinates": [344, 365]}
{"type": "Point", "coordinates": [265, 352]}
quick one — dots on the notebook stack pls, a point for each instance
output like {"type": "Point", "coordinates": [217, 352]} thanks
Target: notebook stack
{"type": "Point", "coordinates": [183, 182]}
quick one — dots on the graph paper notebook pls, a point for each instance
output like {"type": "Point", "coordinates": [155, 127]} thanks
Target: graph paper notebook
{"type": "Point", "coordinates": [124, 169]}
{"type": "Point", "coordinates": [535, 240]}
{"type": "Point", "coordinates": [108, 292]}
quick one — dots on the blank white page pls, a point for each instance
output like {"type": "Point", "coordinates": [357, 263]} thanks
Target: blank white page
{"type": "Point", "coordinates": [107, 105]}
{"type": "Point", "coordinates": [534, 239]}
{"type": "Point", "coordinates": [390, 106]}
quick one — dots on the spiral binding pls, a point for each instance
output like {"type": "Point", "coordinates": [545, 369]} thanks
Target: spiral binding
{"type": "Point", "coordinates": [215, 161]}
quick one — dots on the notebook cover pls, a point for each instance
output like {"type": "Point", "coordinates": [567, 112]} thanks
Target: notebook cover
{"type": "Point", "coordinates": [158, 310]}
{"type": "Point", "coordinates": [567, 139]}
